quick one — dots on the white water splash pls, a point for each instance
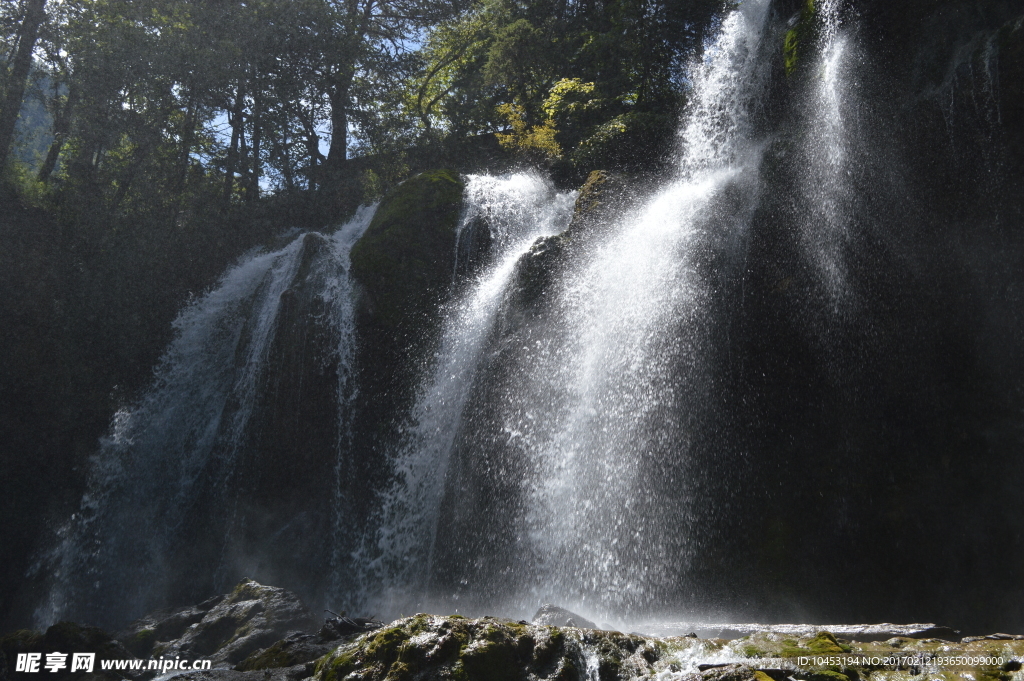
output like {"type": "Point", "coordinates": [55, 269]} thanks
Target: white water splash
{"type": "Point", "coordinates": [517, 209]}
{"type": "Point", "coordinates": [184, 440]}
{"type": "Point", "coordinates": [635, 318]}
{"type": "Point", "coordinates": [826, 182]}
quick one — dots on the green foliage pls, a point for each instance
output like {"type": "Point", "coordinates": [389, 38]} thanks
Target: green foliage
{"type": "Point", "coordinates": [536, 143]}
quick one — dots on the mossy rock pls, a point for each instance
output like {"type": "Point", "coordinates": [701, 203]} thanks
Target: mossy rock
{"type": "Point", "coordinates": [797, 37]}
{"type": "Point", "coordinates": [405, 260]}
{"type": "Point", "coordinates": [601, 196]}
{"type": "Point", "coordinates": [633, 141]}
{"type": "Point", "coordinates": [825, 642]}
{"type": "Point", "coordinates": [824, 675]}
{"type": "Point", "coordinates": [141, 643]}
{"type": "Point", "coordinates": [274, 657]}
{"type": "Point", "coordinates": [486, 649]}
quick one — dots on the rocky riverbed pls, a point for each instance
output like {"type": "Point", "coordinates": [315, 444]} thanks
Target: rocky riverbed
{"type": "Point", "coordinates": [265, 633]}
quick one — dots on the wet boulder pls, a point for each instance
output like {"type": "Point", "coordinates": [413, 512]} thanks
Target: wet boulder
{"type": "Point", "coordinates": [560, 617]}
{"type": "Point", "coordinates": [251, 617]}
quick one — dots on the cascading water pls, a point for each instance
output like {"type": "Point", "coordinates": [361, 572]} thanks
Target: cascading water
{"type": "Point", "coordinates": [827, 186]}
{"type": "Point", "coordinates": [698, 397]}
{"type": "Point", "coordinates": [509, 213]}
{"type": "Point", "coordinates": [569, 478]}
{"type": "Point", "coordinates": [182, 479]}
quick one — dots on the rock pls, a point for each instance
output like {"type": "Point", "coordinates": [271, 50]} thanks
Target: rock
{"type": "Point", "coordinates": [992, 637]}
{"type": "Point", "coordinates": [403, 268]}
{"type": "Point", "coordinates": [488, 649]}
{"type": "Point", "coordinates": [604, 195]}
{"type": "Point", "coordinates": [167, 624]}
{"type": "Point", "coordinates": [251, 617]}
{"type": "Point", "coordinates": [339, 626]}
{"type": "Point", "coordinates": [727, 672]}
{"type": "Point", "coordinates": [285, 674]}
{"type": "Point", "coordinates": [560, 617]}
{"type": "Point", "coordinates": [405, 260]}
{"type": "Point", "coordinates": [295, 650]}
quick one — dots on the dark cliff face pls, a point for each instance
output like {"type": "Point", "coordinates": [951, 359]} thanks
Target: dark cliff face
{"type": "Point", "coordinates": [878, 432]}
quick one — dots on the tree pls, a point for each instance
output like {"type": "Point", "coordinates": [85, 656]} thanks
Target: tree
{"type": "Point", "coordinates": [33, 15]}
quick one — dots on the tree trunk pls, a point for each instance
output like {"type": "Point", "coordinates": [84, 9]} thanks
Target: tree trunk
{"type": "Point", "coordinates": [61, 131]}
{"type": "Point", "coordinates": [21, 66]}
{"type": "Point", "coordinates": [338, 151]}
{"type": "Point", "coordinates": [187, 139]}
{"type": "Point", "coordinates": [313, 150]}
{"type": "Point", "coordinates": [236, 122]}
{"type": "Point", "coordinates": [253, 192]}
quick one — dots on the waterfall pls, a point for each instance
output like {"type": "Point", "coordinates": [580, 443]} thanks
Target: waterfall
{"type": "Point", "coordinates": [827, 183]}
{"type": "Point", "coordinates": [568, 477]}
{"type": "Point", "coordinates": [173, 489]}
{"type": "Point", "coordinates": [608, 518]}
{"type": "Point", "coordinates": [509, 213]}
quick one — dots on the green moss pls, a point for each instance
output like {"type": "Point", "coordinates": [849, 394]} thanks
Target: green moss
{"type": "Point", "coordinates": [144, 635]}
{"type": "Point", "coordinates": [791, 648]}
{"type": "Point", "coordinates": [383, 646]}
{"type": "Point", "coordinates": [141, 644]}
{"type": "Point", "coordinates": [247, 590]}
{"type": "Point", "coordinates": [491, 662]}
{"type": "Point", "coordinates": [626, 142]}
{"type": "Point", "coordinates": [399, 671]}
{"type": "Point", "coordinates": [827, 675]}
{"type": "Point", "coordinates": [22, 640]}
{"type": "Point", "coordinates": [405, 259]}
{"type": "Point", "coordinates": [337, 666]}
{"type": "Point", "coordinates": [566, 672]}
{"type": "Point", "coordinates": [798, 35]}
{"type": "Point", "coordinates": [274, 657]}
{"type": "Point", "coordinates": [825, 642]}
{"type": "Point", "coordinates": [761, 676]}
{"type": "Point", "coordinates": [548, 649]}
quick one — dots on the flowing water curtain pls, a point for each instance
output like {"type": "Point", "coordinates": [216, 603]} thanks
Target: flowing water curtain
{"type": "Point", "coordinates": [162, 506]}
{"type": "Point", "coordinates": [828, 187]}
{"type": "Point", "coordinates": [508, 214]}
{"type": "Point", "coordinates": [568, 473]}
{"type": "Point", "coordinates": [616, 491]}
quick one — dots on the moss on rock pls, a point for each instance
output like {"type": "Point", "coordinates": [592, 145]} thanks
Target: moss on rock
{"type": "Point", "coordinates": [797, 36]}
{"type": "Point", "coordinates": [405, 260]}
{"type": "Point", "coordinates": [486, 649]}
{"type": "Point", "coordinates": [274, 657]}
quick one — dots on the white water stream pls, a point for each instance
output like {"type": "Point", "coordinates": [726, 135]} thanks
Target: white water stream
{"type": "Point", "coordinates": [185, 441]}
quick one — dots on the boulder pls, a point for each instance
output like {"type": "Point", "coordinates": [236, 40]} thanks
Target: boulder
{"type": "Point", "coordinates": [489, 649]}
{"type": "Point", "coordinates": [167, 624]}
{"type": "Point", "coordinates": [248, 619]}
{"type": "Point", "coordinates": [295, 651]}
{"type": "Point", "coordinates": [560, 617]}
{"type": "Point", "coordinates": [853, 632]}
{"type": "Point", "coordinates": [405, 260]}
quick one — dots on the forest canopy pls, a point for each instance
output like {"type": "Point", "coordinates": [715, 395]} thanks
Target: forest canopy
{"type": "Point", "coordinates": [162, 104]}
